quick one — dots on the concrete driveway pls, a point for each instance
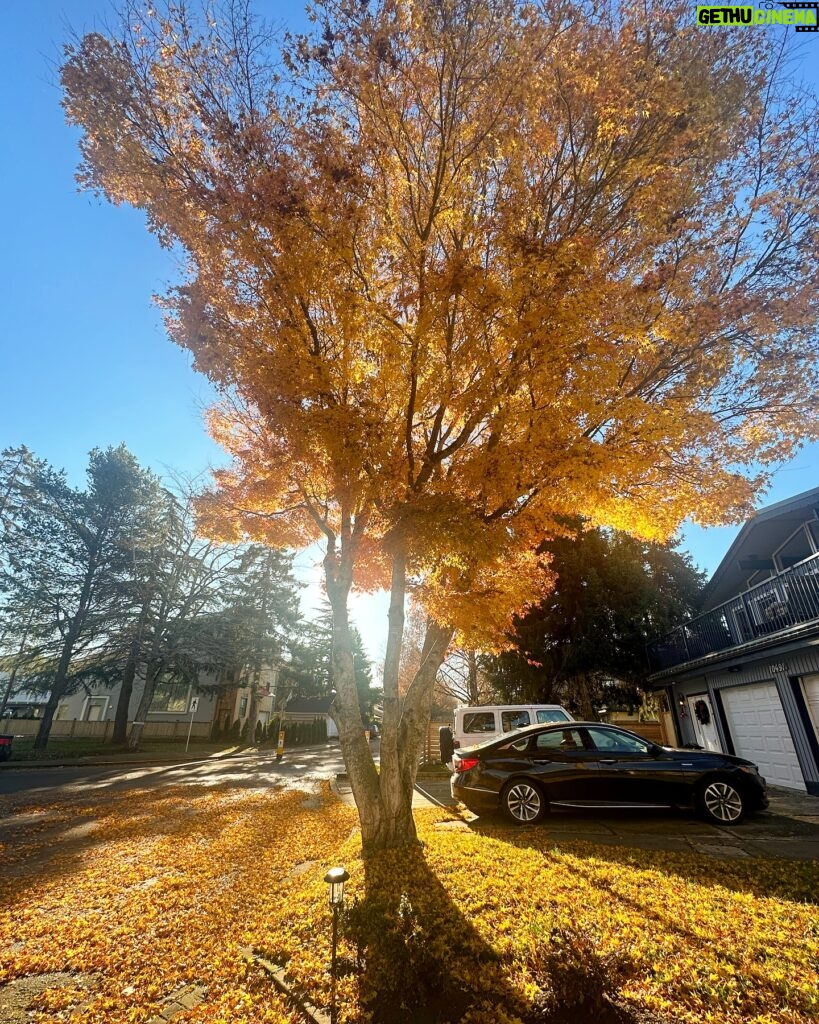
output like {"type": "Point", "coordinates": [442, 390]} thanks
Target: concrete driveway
{"type": "Point", "coordinates": [789, 828]}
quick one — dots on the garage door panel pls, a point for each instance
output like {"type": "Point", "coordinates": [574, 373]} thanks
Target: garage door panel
{"type": "Point", "coordinates": [759, 730]}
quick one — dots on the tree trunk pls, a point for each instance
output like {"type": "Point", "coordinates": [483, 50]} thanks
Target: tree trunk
{"type": "Point", "coordinates": [7, 692]}
{"type": "Point", "coordinates": [253, 710]}
{"type": "Point", "coordinates": [472, 678]}
{"type": "Point", "coordinates": [127, 686]}
{"type": "Point", "coordinates": [137, 728]}
{"type": "Point", "coordinates": [383, 799]}
{"type": "Point", "coordinates": [12, 677]}
{"type": "Point", "coordinates": [126, 689]}
{"type": "Point", "coordinates": [396, 826]}
{"type": "Point", "coordinates": [585, 698]}
{"type": "Point", "coordinates": [58, 689]}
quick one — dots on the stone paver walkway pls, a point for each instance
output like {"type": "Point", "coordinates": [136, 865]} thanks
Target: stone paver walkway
{"type": "Point", "coordinates": [789, 829]}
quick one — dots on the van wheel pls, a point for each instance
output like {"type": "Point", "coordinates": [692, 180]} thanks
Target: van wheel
{"type": "Point", "coordinates": [523, 802]}
{"type": "Point", "coordinates": [446, 744]}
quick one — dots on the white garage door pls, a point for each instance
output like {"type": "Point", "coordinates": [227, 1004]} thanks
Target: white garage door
{"type": "Point", "coordinates": [760, 732]}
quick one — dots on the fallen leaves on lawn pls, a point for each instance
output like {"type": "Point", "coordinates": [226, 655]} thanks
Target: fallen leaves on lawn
{"type": "Point", "coordinates": [173, 885]}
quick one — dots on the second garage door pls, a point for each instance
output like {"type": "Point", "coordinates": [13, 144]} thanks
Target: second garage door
{"type": "Point", "coordinates": [760, 732]}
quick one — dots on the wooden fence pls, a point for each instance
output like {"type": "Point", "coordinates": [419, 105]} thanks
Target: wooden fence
{"type": "Point", "coordinates": [103, 730]}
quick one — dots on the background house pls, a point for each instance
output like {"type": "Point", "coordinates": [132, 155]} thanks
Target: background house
{"type": "Point", "coordinates": [90, 711]}
{"type": "Point", "coordinates": [743, 676]}
{"type": "Point", "coordinates": [308, 709]}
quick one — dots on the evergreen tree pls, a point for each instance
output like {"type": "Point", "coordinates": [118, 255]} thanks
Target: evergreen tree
{"type": "Point", "coordinates": [66, 558]}
{"type": "Point", "coordinates": [259, 619]}
{"type": "Point", "coordinates": [612, 594]}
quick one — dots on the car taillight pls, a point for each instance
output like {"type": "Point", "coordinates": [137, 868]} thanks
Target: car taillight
{"type": "Point", "coordinates": [463, 764]}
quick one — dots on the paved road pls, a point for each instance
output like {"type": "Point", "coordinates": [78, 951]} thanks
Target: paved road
{"type": "Point", "coordinates": [790, 828]}
{"type": "Point", "coordinates": [247, 770]}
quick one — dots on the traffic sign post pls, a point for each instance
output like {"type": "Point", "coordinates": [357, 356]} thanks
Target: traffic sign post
{"type": "Point", "coordinates": [193, 709]}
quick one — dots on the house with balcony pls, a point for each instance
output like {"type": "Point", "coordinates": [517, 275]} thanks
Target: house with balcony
{"type": "Point", "coordinates": [743, 675]}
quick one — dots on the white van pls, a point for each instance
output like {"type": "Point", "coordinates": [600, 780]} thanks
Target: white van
{"type": "Point", "coordinates": [475, 724]}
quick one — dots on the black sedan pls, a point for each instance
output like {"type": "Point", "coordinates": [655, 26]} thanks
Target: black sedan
{"type": "Point", "coordinates": [592, 765]}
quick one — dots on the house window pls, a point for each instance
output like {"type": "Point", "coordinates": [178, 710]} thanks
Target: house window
{"type": "Point", "coordinates": [95, 709]}
{"type": "Point", "coordinates": [795, 548]}
{"type": "Point", "coordinates": [242, 707]}
{"type": "Point", "coordinates": [759, 577]}
{"type": "Point", "coordinates": [170, 696]}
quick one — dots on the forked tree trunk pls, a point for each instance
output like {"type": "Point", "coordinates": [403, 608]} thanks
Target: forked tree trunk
{"type": "Point", "coordinates": [383, 798]}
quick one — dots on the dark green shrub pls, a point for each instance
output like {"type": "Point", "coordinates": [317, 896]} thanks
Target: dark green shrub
{"type": "Point", "coordinates": [575, 980]}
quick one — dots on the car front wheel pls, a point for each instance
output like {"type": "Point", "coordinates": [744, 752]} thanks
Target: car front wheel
{"type": "Point", "coordinates": [721, 803]}
{"type": "Point", "coordinates": [523, 802]}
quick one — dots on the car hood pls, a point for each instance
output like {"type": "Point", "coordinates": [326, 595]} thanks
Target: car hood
{"type": "Point", "coordinates": [693, 754]}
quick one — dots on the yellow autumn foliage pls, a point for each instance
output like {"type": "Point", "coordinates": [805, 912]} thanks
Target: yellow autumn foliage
{"type": "Point", "coordinates": [462, 269]}
{"type": "Point", "coordinates": [170, 889]}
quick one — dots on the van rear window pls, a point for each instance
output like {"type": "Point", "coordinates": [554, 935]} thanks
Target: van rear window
{"type": "Point", "coordinates": [544, 717]}
{"type": "Point", "coordinates": [479, 721]}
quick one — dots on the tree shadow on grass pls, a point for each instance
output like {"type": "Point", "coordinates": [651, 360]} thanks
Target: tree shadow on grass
{"type": "Point", "coordinates": [420, 960]}
{"type": "Point", "coordinates": [737, 958]}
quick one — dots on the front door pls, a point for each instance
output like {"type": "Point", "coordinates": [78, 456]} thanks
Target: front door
{"type": "Point", "coordinates": [702, 721]}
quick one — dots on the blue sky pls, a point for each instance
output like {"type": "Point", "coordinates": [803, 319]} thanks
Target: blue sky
{"type": "Point", "coordinates": [84, 360]}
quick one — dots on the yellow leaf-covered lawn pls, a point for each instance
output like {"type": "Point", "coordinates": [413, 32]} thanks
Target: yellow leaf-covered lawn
{"type": "Point", "coordinates": [162, 893]}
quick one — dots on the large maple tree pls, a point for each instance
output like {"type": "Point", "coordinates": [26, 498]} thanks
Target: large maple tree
{"type": "Point", "coordinates": [461, 269]}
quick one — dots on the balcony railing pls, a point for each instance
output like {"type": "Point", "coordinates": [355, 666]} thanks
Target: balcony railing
{"type": "Point", "coordinates": [788, 599]}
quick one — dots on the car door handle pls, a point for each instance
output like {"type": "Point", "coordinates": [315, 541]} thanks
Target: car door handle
{"type": "Point", "coordinates": [608, 760]}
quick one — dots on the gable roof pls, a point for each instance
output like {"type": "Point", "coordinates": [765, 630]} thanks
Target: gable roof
{"type": "Point", "coordinates": [761, 535]}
